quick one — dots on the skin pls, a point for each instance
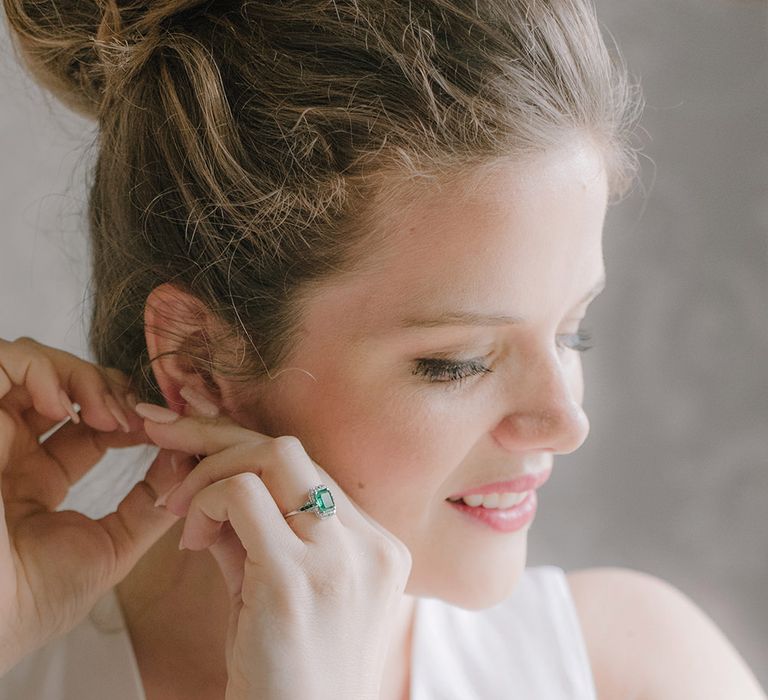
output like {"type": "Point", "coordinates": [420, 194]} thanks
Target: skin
{"type": "Point", "coordinates": [645, 639]}
{"type": "Point", "coordinates": [526, 243]}
{"type": "Point", "coordinates": [525, 240]}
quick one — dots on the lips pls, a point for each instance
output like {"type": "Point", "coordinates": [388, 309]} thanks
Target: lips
{"type": "Point", "coordinates": [526, 482]}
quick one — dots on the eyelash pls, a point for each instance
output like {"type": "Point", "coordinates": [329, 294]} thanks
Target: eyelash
{"type": "Point", "coordinates": [454, 372]}
{"type": "Point", "coordinates": [449, 371]}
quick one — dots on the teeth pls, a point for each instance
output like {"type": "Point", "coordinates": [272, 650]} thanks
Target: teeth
{"type": "Point", "coordinates": [508, 500]}
{"type": "Point", "coordinates": [495, 500]}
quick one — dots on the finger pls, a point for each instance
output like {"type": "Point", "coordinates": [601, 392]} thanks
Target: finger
{"type": "Point", "coordinates": [211, 436]}
{"type": "Point", "coordinates": [40, 425]}
{"type": "Point", "coordinates": [89, 386]}
{"type": "Point", "coordinates": [120, 386]}
{"type": "Point", "coordinates": [281, 463]}
{"type": "Point", "coordinates": [7, 573]}
{"type": "Point", "coordinates": [17, 399]}
{"type": "Point", "coordinates": [19, 402]}
{"type": "Point", "coordinates": [55, 379]}
{"type": "Point", "coordinates": [246, 503]}
{"type": "Point", "coordinates": [45, 476]}
{"type": "Point", "coordinates": [80, 447]}
{"type": "Point", "coordinates": [230, 555]}
{"type": "Point", "coordinates": [8, 431]}
{"type": "Point", "coordinates": [194, 435]}
{"type": "Point", "coordinates": [24, 365]}
{"type": "Point", "coordinates": [208, 437]}
{"type": "Point", "coordinates": [137, 524]}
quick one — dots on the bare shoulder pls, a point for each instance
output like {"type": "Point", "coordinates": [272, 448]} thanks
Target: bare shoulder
{"type": "Point", "coordinates": [648, 641]}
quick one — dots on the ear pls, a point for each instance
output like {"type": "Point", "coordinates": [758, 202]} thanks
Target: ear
{"type": "Point", "coordinates": [177, 328]}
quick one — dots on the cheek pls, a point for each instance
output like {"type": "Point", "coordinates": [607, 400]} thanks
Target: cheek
{"type": "Point", "coordinates": [387, 453]}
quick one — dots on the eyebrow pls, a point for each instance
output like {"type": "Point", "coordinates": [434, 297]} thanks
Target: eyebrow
{"type": "Point", "coordinates": [472, 318]}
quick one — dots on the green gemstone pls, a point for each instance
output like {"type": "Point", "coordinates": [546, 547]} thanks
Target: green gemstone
{"type": "Point", "coordinates": [324, 502]}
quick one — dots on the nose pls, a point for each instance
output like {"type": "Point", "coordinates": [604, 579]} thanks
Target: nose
{"type": "Point", "coordinates": [545, 411]}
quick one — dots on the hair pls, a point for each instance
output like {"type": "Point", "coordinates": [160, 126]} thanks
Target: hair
{"type": "Point", "coordinates": [244, 148]}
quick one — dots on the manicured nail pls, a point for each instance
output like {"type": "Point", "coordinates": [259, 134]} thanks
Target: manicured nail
{"type": "Point", "coordinates": [116, 410]}
{"type": "Point", "coordinates": [157, 414]}
{"type": "Point", "coordinates": [199, 403]}
{"type": "Point", "coordinates": [68, 406]}
{"type": "Point", "coordinates": [122, 401]}
{"type": "Point", "coordinates": [164, 498]}
{"type": "Point", "coordinates": [181, 543]}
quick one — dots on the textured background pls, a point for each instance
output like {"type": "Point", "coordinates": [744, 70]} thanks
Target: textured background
{"type": "Point", "coordinates": [674, 478]}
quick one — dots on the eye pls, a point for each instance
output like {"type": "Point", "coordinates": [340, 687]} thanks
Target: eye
{"type": "Point", "coordinates": [581, 341]}
{"type": "Point", "coordinates": [449, 371]}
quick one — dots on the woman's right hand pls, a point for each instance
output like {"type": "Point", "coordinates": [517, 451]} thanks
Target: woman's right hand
{"type": "Point", "coordinates": [54, 566]}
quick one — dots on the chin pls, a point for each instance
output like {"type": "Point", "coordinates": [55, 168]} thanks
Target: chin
{"type": "Point", "coordinates": [470, 585]}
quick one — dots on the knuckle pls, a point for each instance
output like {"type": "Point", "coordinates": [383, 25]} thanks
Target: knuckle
{"type": "Point", "coordinates": [33, 352]}
{"type": "Point", "coordinates": [391, 554]}
{"type": "Point", "coordinates": [24, 341]}
{"type": "Point", "coordinates": [333, 579]}
{"type": "Point", "coordinates": [28, 347]}
{"type": "Point", "coordinates": [384, 550]}
{"type": "Point", "coordinates": [329, 587]}
{"type": "Point", "coordinates": [286, 446]}
{"type": "Point", "coordinates": [245, 485]}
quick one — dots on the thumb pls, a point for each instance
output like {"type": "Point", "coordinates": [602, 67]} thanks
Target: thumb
{"type": "Point", "coordinates": [138, 523]}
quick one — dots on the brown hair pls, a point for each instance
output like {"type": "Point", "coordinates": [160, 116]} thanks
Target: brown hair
{"type": "Point", "coordinates": [244, 146]}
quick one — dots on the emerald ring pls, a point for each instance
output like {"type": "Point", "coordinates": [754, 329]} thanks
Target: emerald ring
{"type": "Point", "coordinates": [320, 501]}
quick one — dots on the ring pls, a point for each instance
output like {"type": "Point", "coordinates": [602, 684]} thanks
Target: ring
{"type": "Point", "coordinates": [320, 501]}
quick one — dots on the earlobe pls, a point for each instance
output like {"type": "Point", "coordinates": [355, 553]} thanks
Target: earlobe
{"type": "Point", "coordinates": [176, 328]}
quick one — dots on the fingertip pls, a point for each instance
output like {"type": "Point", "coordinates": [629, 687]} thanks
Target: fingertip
{"type": "Point", "coordinates": [163, 499]}
{"type": "Point", "coordinates": [68, 406]}
{"type": "Point", "coordinates": [156, 414]}
{"type": "Point", "coordinates": [117, 413]}
{"type": "Point", "coordinates": [198, 403]}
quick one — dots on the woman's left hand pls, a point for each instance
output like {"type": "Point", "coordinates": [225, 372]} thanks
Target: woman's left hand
{"type": "Point", "coordinates": [312, 601]}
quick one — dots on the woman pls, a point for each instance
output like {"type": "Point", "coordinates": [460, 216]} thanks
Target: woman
{"type": "Point", "coordinates": [334, 244]}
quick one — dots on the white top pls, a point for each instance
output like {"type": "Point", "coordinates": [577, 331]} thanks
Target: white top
{"type": "Point", "coordinates": [528, 646]}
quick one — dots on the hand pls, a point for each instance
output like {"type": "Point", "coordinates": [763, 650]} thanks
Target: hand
{"type": "Point", "coordinates": [55, 565]}
{"type": "Point", "coordinates": [312, 602]}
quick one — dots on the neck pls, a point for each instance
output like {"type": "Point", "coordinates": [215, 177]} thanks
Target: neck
{"type": "Point", "coordinates": [176, 608]}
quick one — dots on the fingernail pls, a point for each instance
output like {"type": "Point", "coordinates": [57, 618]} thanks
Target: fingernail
{"type": "Point", "coordinates": [132, 400]}
{"type": "Point", "coordinates": [117, 412]}
{"type": "Point", "coordinates": [198, 402]}
{"type": "Point", "coordinates": [122, 401]}
{"type": "Point", "coordinates": [164, 498]}
{"type": "Point", "coordinates": [68, 406]}
{"type": "Point", "coordinates": [157, 414]}
{"type": "Point", "coordinates": [181, 543]}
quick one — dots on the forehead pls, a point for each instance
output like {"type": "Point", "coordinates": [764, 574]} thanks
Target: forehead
{"type": "Point", "coordinates": [509, 236]}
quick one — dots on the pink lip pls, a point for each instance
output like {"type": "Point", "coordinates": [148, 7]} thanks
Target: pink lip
{"type": "Point", "coordinates": [527, 482]}
{"type": "Point", "coordinates": [502, 520]}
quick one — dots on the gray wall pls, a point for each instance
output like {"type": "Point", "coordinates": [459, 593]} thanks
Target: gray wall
{"type": "Point", "coordinates": [674, 478]}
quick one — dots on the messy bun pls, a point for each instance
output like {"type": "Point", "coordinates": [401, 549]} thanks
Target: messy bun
{"type": "Point", "coordinates": [81, 50]}
{"type": "Point", "coordinates": [243, 145]}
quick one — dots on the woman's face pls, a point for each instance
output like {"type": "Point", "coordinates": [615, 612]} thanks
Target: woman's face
{"type": "Point", "coordinates": [525, 244]}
